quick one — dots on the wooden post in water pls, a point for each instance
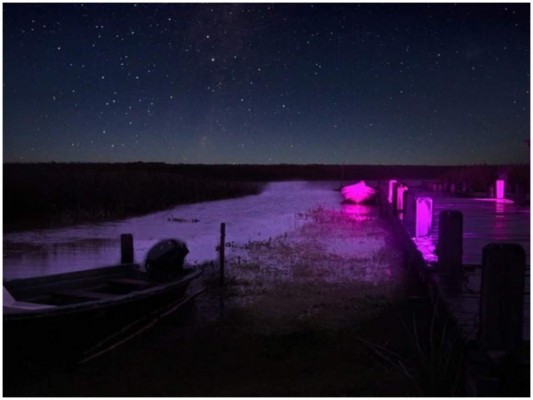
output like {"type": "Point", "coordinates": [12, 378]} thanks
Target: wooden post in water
{"type": "Point", "coordinates": [520, 196]}
{"type": "Point", "coordinates": [221, 252]}
{"type": "Point", "coordinates": [400, 197]}
{"type": "Point", "coordinates": [391, 193]}
{"type": "Point", "coordinates": [450, 242]}
{"type": "Point", "coordinates": [126, 248]}
{"type": "Point", "coordinates": [502, 297]}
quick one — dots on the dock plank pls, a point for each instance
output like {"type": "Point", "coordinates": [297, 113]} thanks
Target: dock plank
{"type": "Point", "coordinates": [484, 221]}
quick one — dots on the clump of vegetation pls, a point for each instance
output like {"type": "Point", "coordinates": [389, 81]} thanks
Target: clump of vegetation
{"type": "Point", "coordinates": [50, 195]}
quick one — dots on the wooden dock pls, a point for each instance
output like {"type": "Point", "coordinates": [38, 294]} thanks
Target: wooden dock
{"type": "Point", "coordinates": [485, 221]}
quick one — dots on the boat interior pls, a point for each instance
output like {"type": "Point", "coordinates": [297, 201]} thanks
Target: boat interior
{"type": "Point", "coordinates": [79, 288]}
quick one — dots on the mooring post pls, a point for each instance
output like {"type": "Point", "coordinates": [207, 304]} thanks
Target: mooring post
{"type": "Point", "coordinates": [519, 197]}
{"type": "Point", "coordinates": [400, 197]}
{"type": "Point", "coordinates": [424, 216]}
{"type": "Point", "coordinates": [391, 194]}
{"type": "Point", "coordinates": [409, 211]}
{"type": "Point", "coordinates": [500, 189]}
{"type": "Point", "coordinates": [382, 199]}
{"type": "Point", "coordinates": [126, 248]}
{"type": "Point", "coordinates": [502, 297]}
{"type": "Point", "coordinates": [450, 244]}
{"type": "Point", "coordinates": [221, 251]}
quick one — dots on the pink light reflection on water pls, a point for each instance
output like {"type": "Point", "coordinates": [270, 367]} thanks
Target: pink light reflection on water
{"type": "Point", "coordinates": [359, 212]}
{"type": "Point", "coordinates": [427, 247]}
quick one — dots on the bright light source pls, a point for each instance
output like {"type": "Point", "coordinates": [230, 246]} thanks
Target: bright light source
{"type": "Point", "coordinates": [390, 196]}
{"type": "Point", "coordinates": [358, 193]}
{"type": "Point", "coordinates": [424, 216]}
{"type": "Point", "coordinates": [500, 189]}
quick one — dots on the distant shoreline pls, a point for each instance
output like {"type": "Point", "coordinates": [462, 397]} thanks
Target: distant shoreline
{"type": "Point", "coordinates": [49, 195]}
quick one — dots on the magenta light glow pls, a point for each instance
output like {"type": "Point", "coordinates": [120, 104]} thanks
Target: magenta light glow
{"type": "Point", "coordinates": [391, 188]}
{"type": "Point", "coordinates": [358, 193]}
{"type": "Point", "coordinates": [426, 246]}
{"type": "Point", "coordinates": [358, 212]}
{"type": "Point", "coordinates": [500, 189]}
{"type": "Point", "coordinates": [424, 216]}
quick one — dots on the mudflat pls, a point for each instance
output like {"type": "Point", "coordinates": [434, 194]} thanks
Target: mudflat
{"type": "Point", "coordinates": [321, 310]}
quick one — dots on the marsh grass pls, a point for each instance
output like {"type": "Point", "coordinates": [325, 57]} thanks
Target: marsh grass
{"type": "Point", "coordinates": [294, 318]}
{"type": "Point", "coordinates": [294, 290]}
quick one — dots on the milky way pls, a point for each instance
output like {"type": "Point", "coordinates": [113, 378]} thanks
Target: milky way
{"type": "Point", "coordinates": [267, 83]}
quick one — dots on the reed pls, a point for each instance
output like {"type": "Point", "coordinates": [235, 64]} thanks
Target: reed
{"type": "Point", "coordinates": [51, 195]}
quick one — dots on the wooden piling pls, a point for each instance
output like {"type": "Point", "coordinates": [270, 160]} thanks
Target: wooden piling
{"type": "Point", "coordinates": [520, 196]}
{"type": "Point", "coordinates": [221, 252]}
{"type": "Point", "coordinates": [409, 210]}
{"type": "Point", "coordinates": [424, 216]}
{"type": "Point", "coordinates": [502, 297]}
{"type": "Point", "coordinates": [393, 195]}
{"type": "Point", "coordinates": [126, 248]}
{"type": "Point", "coordinates": [450, 241]}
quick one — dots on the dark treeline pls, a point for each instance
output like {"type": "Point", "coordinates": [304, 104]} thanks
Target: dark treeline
{"type": "Point", "coordinates": [54, 194]}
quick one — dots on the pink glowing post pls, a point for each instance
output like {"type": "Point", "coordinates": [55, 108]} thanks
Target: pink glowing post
{"type": "Point", "coordinates": [358, 193]}
{"type": "Point", "coordinates": [399, 198]}
{"type": "Point", "coordinates": [390, 196]}
{"type": "Point", "coordinates": [500, 189]}
{"type": "Point", "coordinates": [424, 216]}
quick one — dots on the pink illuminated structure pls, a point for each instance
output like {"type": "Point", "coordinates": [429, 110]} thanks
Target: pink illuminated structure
{"type": "Point", "coordinates": [500, 189]}
{"type": "Point", "coordinates": [399, 197]}
{"type": "Point", "coordinates": [358, 193]}
{"type": "Point", "coordinates": [424, 216]}
{"type": "Point", "coordinates": [390, 196]}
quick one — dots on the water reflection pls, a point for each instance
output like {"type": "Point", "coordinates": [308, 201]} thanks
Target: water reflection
{"type": "Point", "coordinates": [271, 213]}
{"type": "Point", "coordinates": [500, 207]}
{"type": "Point", "coordinates": [359, 212]}
{"type": "Point", "coordinates": [427, 246]}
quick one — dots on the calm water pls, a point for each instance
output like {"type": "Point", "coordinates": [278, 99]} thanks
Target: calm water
{"type": "Point", "coordinates": [271, 213]}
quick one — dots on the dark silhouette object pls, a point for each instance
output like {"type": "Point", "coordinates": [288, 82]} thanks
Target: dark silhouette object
{"type": "Point", "coordinates": [222, 248]}
{"type": "Point", "coordinates": [166, 258]}
{"type": "Point", "coordinates": [450, 246]}
{"type": "Point", "coordinates": [126, 248]}
{"type": "Point", "coordinates": [502, 297]}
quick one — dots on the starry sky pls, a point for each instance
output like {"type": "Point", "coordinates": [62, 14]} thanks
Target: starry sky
{"type": "Point", "coordinates": [266, 83]}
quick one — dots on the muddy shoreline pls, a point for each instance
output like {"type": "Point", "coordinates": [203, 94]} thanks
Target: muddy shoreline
{"type": "Point", "coordinates": [323, 310]}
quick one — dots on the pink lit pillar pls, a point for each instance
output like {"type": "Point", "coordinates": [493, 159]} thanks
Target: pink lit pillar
{"type": "Point", "coordinates": [400, 197]}
{"type": "Point", "coordinates": [393, 183]}
{"type": "Point", "coordinates": [503, 278]}
{"type": "Point", "coordinates": [424, 216]}
{"type": "Point", "coordinates": [500, 189]}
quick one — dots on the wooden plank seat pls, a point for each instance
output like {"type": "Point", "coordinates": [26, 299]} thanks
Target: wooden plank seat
{"type": "Point", "coordinates": [10, 302]}
{"type": "Point", "coordinates": [130, 282]}
{"type": "Point", "coordinates": [85, 294]}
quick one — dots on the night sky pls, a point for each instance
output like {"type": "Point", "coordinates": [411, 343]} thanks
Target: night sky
{"type": "Point", "coordinates": [266, 83]}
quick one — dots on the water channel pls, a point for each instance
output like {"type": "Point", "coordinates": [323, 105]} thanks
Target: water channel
{"type": "Point", "coordinates": [271, 213]}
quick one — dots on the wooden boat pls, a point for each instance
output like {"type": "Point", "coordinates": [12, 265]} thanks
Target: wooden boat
{"type": "Point", "coordinates": [70, 312]}
{"type": "Point", "coordinates": [359, 193]}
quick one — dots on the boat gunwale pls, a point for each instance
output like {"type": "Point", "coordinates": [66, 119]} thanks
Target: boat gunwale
{"type": "Point", "coordinates": [89, 305]}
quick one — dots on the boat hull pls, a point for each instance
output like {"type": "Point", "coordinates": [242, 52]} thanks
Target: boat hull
{"type": "Point", "coordinates": [66, 331]}
{"type": "Point", "coordinates": [359, 193]}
